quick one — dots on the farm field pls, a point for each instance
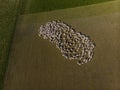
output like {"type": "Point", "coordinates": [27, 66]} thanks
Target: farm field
{"type": "Point", "coordinates": [33, 6]}
{"type": "Point", "coordinates": [35, 63]}
{"type": "Point", "coordinates": [8, 14]}
{"type": "Point", "coordinates": [10, 10]}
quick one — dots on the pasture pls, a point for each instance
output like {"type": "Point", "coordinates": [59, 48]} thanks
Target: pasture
{"type": "Point", "coordinates": [10, 10]}
{"type": "Point", "coordinates": [36, 64]}
{"type": "Point", "coordinates": [8, 14]}
{"type": "Point", "coordinates": [34, 6]}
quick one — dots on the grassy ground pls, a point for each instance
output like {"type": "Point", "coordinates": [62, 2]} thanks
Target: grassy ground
{"type": "Point", "coordinates": [34, 6]}
{"type": "Point", "coordinates": [8, 14]}
{"type": "Point", "coordinates": [80, 12]}
{"type": "Point", "coordinates": [35, 64]}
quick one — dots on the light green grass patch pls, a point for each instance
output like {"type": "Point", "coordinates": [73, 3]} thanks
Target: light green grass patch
{"type": "Point", "coordinates": [35, 6]}
{"type": "Point", "coordinates": [79, 12]}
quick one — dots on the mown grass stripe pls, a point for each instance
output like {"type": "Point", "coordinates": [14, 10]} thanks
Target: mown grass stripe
{"type": "Point", "coordinates": [81, 12]}
{"type": "Point", "coordinates": [35, 6]}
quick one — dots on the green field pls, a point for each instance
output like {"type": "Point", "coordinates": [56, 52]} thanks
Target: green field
{"type": "Point", "coordinates": [33, 6]}
{"type": "Point", "coordinates": [8, 14]}
{"type": "Point", "coordinates": [26, 29]}
{"type": "Point", "coordinates": [35, 64]}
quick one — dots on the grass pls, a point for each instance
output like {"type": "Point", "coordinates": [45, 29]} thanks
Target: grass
{"type": "Point", "coordinates": [80, 12]}
{"type": "Point", "coordinates": [34, 6]}
{"type": "Point", "coordinates": [37, 65]}
{"type": "Point", "coordinates": [8, 17]}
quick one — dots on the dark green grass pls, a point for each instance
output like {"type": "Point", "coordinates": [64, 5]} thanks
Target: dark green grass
{"type": "Point", "coordinates": [8, 17]}
{"type": "Point", "coordinates": [34, 6]}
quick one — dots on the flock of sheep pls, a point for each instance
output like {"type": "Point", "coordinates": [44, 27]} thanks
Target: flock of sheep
{"type": "Point", "coordinates": [72, 44]}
